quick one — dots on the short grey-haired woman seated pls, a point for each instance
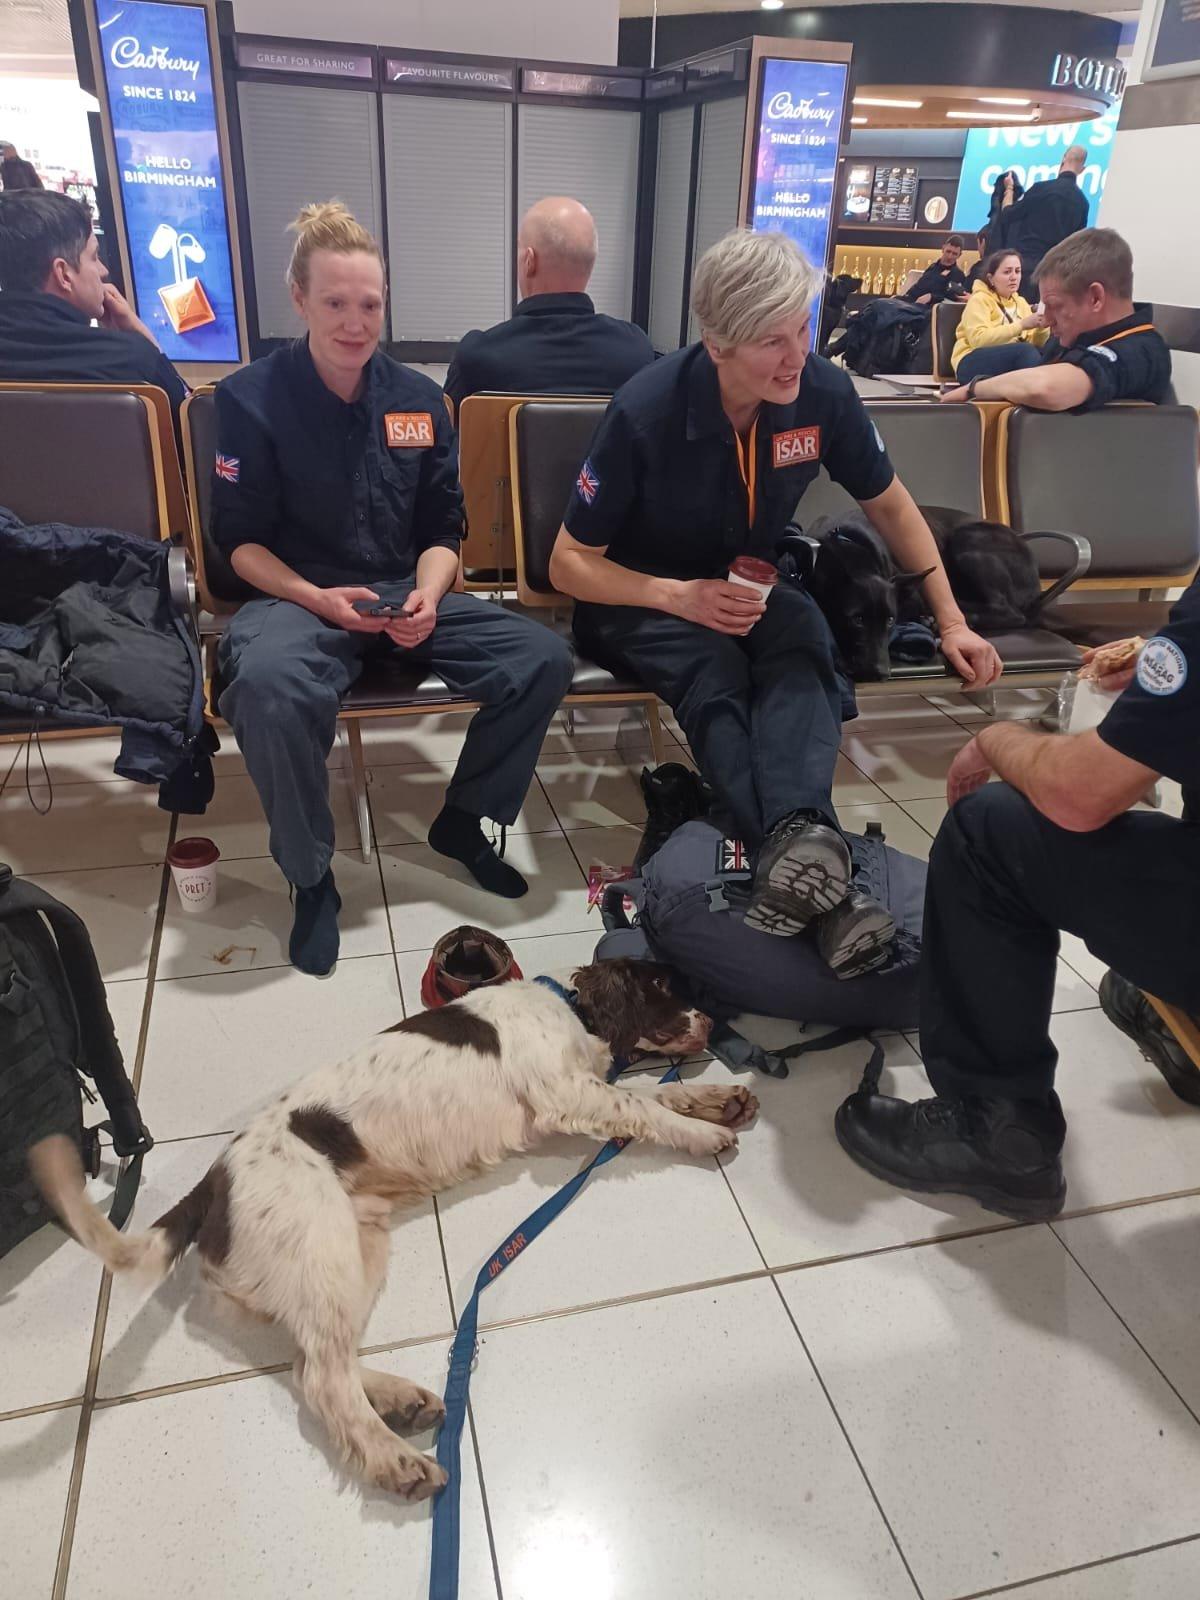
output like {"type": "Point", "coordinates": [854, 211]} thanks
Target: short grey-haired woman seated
{"type": "Point", "coordinates": [698, 464]}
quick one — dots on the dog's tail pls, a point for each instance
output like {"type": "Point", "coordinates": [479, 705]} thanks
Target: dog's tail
{"type": "Point", "coordinates": [58, 1172]}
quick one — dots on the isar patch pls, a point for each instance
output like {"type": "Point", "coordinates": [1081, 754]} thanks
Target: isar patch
{"type": "Point", "coordinates": [411, 430]}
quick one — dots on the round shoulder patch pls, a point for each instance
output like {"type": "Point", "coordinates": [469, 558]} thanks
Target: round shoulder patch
{"type": "Point", "coordinates": [1162, 667]}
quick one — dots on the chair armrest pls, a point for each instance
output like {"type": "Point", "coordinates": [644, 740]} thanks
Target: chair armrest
{"type": "Point", "coordinates": [1083, 560]}
{"type": "Point", "coordinates": [182, 582]}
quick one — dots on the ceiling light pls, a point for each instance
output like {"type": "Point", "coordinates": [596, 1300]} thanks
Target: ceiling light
{"type": "Point", "coordinates": [859, 121]}
{"type": "Point", "coordinates": [1000, 100]}
{"type": "Point", "coordinates": [903, 105]}
{"type": "Point", "coordinates": [993, 116]}
{"type": "Point", "coordinates": [771, 5]}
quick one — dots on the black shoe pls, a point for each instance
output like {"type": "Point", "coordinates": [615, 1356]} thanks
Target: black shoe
{"type": "Point", "coordinates": [1127, 1008]}
{"type": "Point", "coordinates": [674, 794]}
{"type": "Point", "coordinates": [313, 946]}
{"type": "Point", "coordinates": [855, 937]}
{"type": "Point", "coordinates": [1003, 1153]}
{"type": "Point", "coordinates": [802, 871]}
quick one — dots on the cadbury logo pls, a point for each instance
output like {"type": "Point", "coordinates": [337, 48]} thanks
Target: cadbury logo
{"type": "Point", "coordinates": [782, 108]}
{"type": "Point", "coordinates": [127, 52]}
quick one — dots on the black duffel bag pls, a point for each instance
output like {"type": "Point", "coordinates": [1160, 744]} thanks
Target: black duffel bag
{"type": "Point", "coordinates": [56, 1034]}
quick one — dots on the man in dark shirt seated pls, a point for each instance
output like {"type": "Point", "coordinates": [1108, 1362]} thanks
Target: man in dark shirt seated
{"type": "Point", "coordinates": [1104, 348]}
{"type": "Point", "coordinates": [557, 343]}
{"type": "Point", "coordinates": [942, 279]}
{"type": "Point", "coordinates": [52, 287]}
{"type": "Point", "coordinates": [1045, 215]}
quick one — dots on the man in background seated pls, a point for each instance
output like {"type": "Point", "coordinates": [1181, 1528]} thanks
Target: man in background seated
{"type": "Point", "coordinates": [942, 279]}
{"type": "Point", "coordinates": [52, 288]}
{"type": "Point", "coordinates": [1104, 347]}
{"type": "Point", "coordinates": [557, 343]}
{"type": "Point", "coordinates": [1055, 846]}
{"type": "Point", "coordinates": [1045, 215]}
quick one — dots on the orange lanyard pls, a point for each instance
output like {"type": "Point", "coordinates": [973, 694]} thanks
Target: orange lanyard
{"type": "Point", "coordinates": [1142, 327]}
{"type": "Point", "coordinates": [749, 470]}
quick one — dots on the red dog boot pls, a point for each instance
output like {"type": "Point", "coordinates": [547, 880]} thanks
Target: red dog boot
{"type": "Point", "coordinates": [465, 959]}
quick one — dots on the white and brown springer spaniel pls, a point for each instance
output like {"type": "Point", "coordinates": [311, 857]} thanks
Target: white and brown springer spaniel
{"type": "Point", "coordinates": [291, 1219]}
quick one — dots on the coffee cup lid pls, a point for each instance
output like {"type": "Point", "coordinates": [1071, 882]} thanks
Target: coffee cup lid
{"type": "Point", "coordinates": [756, 571]}
{"type": "Point", "coordinates": [193, 853]}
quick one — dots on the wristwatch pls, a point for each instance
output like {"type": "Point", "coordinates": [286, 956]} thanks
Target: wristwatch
{"type": "Point", "coordinates": [971, 388]}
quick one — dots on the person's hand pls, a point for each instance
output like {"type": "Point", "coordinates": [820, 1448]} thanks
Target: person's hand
{"type": "Point", "coordinates": [1035, 319]}
{"type": "Point", "coordinates": [924, 299]}
{"type": "Point", "coordinates": [969, 771]}
{"type": "Point", "coordinates": [974, 658]}
{"type": "Point", "coordinates": [961, 297]}
{"type": "Point", "coordinates": [118, 314]}
{"type": "Point", "coordinates": [953, 396]}
{"type": "Point", "coordinates": [723, 607]}
{"type": "Point", "coordinates": [1008, 183]}
{"type": "Point", "coordinates": [335, 606]}
{"type": "Point", "coordinates": [417, 623]}
{"type": "Point", "coordinates": [1111, 682]}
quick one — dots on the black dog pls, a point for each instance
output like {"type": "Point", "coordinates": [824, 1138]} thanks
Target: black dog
{"type": "Point", "coordinates": [991, 570]}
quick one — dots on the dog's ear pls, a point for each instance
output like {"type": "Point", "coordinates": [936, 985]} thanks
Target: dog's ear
{"type": "Point", "coordinates": [606, 1005]}
{"type": "Point", "coordinates": [905, 580]}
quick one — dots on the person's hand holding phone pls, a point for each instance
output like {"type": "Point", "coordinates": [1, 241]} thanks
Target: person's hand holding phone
{"type": "Point", "coordinates": [417, 620]}
{"type": "Point", "coordinates": [346, 607]}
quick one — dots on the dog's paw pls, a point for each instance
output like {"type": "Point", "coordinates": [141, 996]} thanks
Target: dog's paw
{"type": "Point", "coordinates": [411, 1475]}
{"type": "Point", "coordinates": [404, 1406]}
{"type": "Point", "coordinates": [740, 1108]}
{"type": "Point", "coordinates": [708, 1139]}
{"type": "Point", "coordinates": [733, 1107]}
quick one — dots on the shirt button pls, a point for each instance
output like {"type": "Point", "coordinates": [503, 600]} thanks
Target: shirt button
{"type": "Point", "coordinates": [361, 517]}
{"type": "Point", "coordinates": [357, 476]}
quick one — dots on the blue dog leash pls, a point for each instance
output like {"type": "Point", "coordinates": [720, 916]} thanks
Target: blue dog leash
{"type": "Point", "coordinates": [447, 1520]}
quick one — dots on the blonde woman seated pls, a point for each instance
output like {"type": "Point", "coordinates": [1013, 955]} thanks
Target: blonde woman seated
{"type": "Point", "coordinates": [999, 331]}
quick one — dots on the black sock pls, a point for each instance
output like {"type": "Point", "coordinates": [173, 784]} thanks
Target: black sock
{"type": "Point", "coordinates": [313, 946]}
{"type": "Point", "coordinates": [457, 834]}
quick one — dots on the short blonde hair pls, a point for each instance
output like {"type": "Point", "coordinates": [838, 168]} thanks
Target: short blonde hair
{"type": "Point", "coordinates": [749, 282]}
{"type": "Point", "coordinates": [328, 225]}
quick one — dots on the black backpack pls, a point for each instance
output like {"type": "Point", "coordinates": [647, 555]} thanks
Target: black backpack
{"type": "Point", "coordinates": [55, 1034]}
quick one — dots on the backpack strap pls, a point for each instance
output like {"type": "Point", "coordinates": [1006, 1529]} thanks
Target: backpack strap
{"type": "Point", "coordinates": [738, 1052]}
{"type": "Point", "coordinates": [99, 1051]}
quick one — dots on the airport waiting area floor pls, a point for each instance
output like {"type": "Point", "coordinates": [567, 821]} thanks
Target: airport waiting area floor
{"type": "Point", "coordinates": [768, 1378]}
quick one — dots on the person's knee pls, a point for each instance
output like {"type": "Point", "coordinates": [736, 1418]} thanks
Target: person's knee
{"type": "Point", "coordinates": [550, 661]}
{"type": "Point", "coordinates": [1028, 356]}
{"type": "Point", "coordinates": [273, 690]}
{"type": "Point", "coordinates": [988, 823]}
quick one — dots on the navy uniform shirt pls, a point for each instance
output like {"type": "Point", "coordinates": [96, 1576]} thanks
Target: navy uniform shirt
{"type": "Point", "coordinates": [44, 339]}
{"type": "Point", "coordinates": [663, 486]}
{"type": "Point", "coordinates": [1126, 360]}
{"type": "Point", "coordinates": [939, 282]}
{"type": "Point", "coordinates": [555, 344]}
{"type": "Point", "coordinates": [344, 494]}
{"type": "Point", "coordinates": [1157, 720]}
{"type": "Point", "coordinates": [1045, 215]}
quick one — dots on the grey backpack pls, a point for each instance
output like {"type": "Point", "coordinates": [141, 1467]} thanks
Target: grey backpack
{"type": "Point", "coordinates": [689, 906]}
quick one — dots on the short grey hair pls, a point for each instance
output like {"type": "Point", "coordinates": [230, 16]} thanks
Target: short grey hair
{"type": "Point", "coordinates": [747, 283]}
{"type": "Point", "coordinates": [1093, 255]}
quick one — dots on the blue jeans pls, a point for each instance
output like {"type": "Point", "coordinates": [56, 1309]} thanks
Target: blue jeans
{"type": "Point", "coordinates": [997, 358]}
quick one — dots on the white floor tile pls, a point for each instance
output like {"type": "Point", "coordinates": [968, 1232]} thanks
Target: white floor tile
{"type": "Point", "coordinates": [119, 905]}
{"type": "Point", "coordinates": [88, 825]}
{"type": "Point", "coordinates": [678, 1210]}
{"type": "Point", "coordinates": [593, 789]}
{"type": "Point", "coordinates": [1071, 992]}
{"type": "Point", "coordinates": [1006, 1420]}
{"type": "Point", "coordinates": [851, 785]}
{"type": "Point", "coordinates": [1157, 1575]}
{"type": "Point", "coordinates": [238, 1494]}
{"type": "Point", "coordinates": [250, 924]}
{"type": "Point", "coordinates": [1012, 705]}
{"type": "Point", "coordinates": [406, 799]}
{"type": "Point", "coordinates": [36, 1454]}
{"type": "Point", "coordinates": [908, 762]}
{"type": "Point", "coordinates": [408, 741]}
{"type": "Point", "coordinates": [1128, 1136]}
{"type": "Point", "coordinates": [86, 760]}
{"type": "Point", "coordinates": [237, 825]}
{"type": "Point", "coordinates": [801, 1195]}
{"type": "Point", "coordinates": [428, 894]}
{"type": "Point", "coordinates": [556, 955]}
{"type": "Point", "coordinates": [1143, 1261]}
{"type": "Point", "coordinates": [882, 710]}
{"type": "Point", "coordinates": [1077, 955]}
{"type": "Point", "coordinates": [183, 1330]}
{"type": "Point", "coordinates": [930, 813]}
{"type": "Point", "coordinates": [49, 1287]}
{"type": "Point", "coordinates": [611, 1473]}
{"type": "Point", "coordinates": [218, 1047]}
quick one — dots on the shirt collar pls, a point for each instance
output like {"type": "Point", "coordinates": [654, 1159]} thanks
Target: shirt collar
{"type": "Point", "coordinates": [705, 413]}
{"type": "Point", "coordinates": [327, 404]}
{"type": "Point", "coordinates": [537, 305]}
{"type": "Point", "coordinates": [36, 303]}
{"type": "Point", "coordinates": [1142, 312]}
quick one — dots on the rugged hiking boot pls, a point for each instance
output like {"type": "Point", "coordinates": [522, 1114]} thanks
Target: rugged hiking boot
{"type": "Point", "coordinates": [466, 958]}
{"type": "Point", "coordinates": [1003, 1153]}
{"type": "Point", "coordinates": [803, 871]}
{"type": "Point", "coordinates": [855, 937]}
{"type": "Point", "coordinates": [1127, 1008]}
{"type": "Point", "coordinates": [674, 794]}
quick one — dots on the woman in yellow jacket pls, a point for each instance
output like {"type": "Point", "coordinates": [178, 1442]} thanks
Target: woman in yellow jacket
{"type": "Point", "coordinates": [999, 332]}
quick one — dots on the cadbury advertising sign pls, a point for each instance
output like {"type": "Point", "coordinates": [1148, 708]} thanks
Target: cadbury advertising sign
{"type": "Point", "coordinates": [160, 92]}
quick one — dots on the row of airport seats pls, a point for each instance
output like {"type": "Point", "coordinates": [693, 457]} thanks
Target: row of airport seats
{"type": "Point", "coordinates": [1116, 490]}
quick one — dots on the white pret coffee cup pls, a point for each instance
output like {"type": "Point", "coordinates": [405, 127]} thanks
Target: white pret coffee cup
{"type": "Point", "coordinates": [193, 864]}
{"type": "Point", "coordinates": [754, 574]}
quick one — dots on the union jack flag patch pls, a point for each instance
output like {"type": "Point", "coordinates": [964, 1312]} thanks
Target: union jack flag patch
{"type": "Point", "coordinates": [587, 483]}
{"type": "Point", "coordinates": [733, 856]}
{"type": "Point", "coordinates": [227, 467]}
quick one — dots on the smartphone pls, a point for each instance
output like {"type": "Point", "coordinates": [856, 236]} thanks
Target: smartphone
{"type": "Point", "coordinates": [377, 608]}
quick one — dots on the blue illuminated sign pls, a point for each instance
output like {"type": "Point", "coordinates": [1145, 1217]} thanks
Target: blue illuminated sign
{"type": "Point", "coordinates": [1034, 154]}
{"type": "Point", "coordinates": [160, 93]}
{"type": "Point", "coordinates": [796, 153]}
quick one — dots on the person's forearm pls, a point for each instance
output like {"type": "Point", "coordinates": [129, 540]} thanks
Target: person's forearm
{"type": "Point", "coordinates": [1054, 387]}
{"type": "Point", "coordinates": [603, 582]}
{"type": "Point", "coordinates": [262, 570]}
{"type": "Point", "coordinates": [437, 570]}
{"type": "Point", "coordinates": [1073, 779]}
{"type": "Point", "coordinates": [907, 536]}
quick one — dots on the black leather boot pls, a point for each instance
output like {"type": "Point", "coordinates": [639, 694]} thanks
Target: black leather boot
{"type": "Point", "coordinates": [855, 937]}
{"type": "Point", "coordinates": [674, 794]}
{"type": "Point", "coordinates": [1003, 1153]}
{"type": "Point", "coordinates": [802, 871]}
{"type": "Point", "coordinates": [1127, 1008]}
